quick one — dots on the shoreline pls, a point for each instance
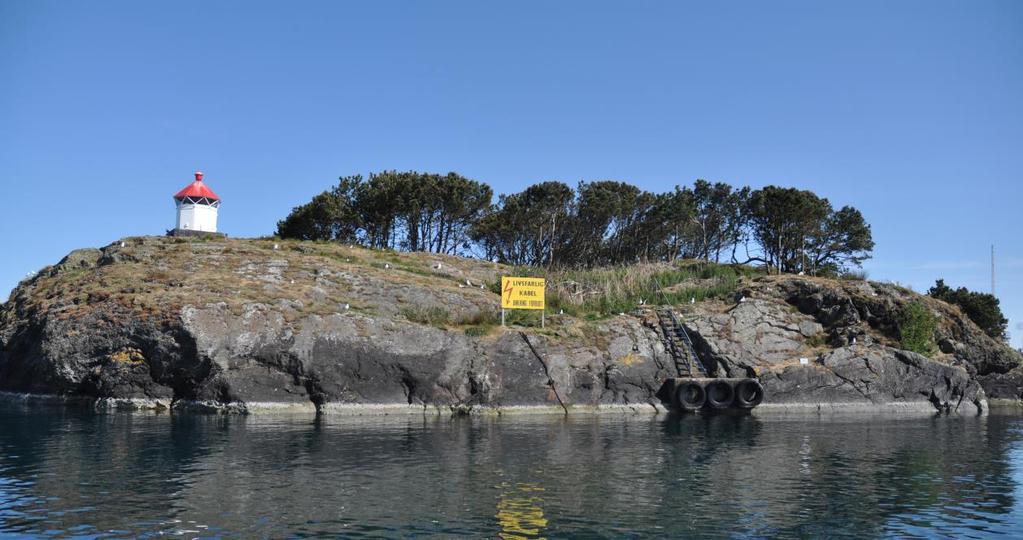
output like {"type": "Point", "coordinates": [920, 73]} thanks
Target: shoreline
{"type": "Point", "coordinates": [914, 408]}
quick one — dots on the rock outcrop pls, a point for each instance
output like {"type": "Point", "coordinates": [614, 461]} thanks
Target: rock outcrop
{"type": "Point", "coordinates": [245, 324]}
{"type": "Point", "coordinates": [761, 338]}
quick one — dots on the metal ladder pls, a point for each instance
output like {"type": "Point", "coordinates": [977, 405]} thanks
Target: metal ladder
{"type": "Point", "coordinates": [679, 345]}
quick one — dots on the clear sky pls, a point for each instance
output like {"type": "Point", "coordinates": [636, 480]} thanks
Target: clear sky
{"type": "Point", "coordinates": [910, 111]}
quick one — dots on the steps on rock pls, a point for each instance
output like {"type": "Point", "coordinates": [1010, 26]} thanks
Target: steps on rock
{"type": "Point", "coordinates": [679, 345]}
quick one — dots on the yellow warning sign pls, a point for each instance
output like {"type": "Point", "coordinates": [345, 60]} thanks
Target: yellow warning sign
{"type": "Point", "coordinates": [522, 292]}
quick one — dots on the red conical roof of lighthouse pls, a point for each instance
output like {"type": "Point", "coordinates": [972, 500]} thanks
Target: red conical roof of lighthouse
{"type": "Point", "coordinates": [197, 189]}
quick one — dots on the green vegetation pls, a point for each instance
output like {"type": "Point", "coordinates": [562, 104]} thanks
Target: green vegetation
{"type": "Point", "coordinates": [853, 275]}
{"type": "Point", "coordinates": [816, 340]}
{"type": "Point", "coordinates": [393, 210]}
{"type": "Point", "coordinates": [477, 331]}
{"type": "Point", "coordinates": [983, 309]}
{"type": "Point", "coordinates": [605, 223]}
{"type": "Point", "coordinates": [798, 230]}
{"type": "Point", "coordinates": [526, 228]}
{"type": "Point", "coordinates": [916, 328]}
{"type": "Point", "coordinates": [433, 316]}
{"type": "Point", "coordinates": [599, 292]}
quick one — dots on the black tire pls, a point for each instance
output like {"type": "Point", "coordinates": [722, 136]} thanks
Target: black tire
{"type": "Point", "coordinates": [690, 396]}
{"type": "Point", "coordinates": [719, 395]}
{"type": "Point", "coordinates": [748, 393]}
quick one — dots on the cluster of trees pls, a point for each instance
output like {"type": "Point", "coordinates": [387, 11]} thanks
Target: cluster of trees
{"type": "Point", "coordinates": [551, 224]}
{"type": "Point", "coordinates": [394, 210]}
{"type": "Point", "coordinates": [981, 308]}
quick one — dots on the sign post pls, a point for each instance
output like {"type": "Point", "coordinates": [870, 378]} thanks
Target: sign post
{"type": "Point", "coordinates": [523, 293]}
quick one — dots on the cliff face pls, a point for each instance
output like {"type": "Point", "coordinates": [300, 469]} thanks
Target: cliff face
{"type": "Point", "coordinates": [242, 324]}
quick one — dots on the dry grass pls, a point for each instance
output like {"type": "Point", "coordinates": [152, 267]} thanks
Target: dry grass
{"type": "Point", "coordinates": [157, 276]}
{"type": "Point", "coordinates": [154, 277]}
{"type": "Point", "coordinates": [129, 356]}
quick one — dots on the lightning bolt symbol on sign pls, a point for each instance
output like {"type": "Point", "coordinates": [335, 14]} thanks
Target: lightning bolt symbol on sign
{"type": "Point", "coordinates": [508, 290]}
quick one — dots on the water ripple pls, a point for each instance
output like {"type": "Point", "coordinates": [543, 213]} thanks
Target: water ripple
{"type": "Point", "coordinates": [73, 473]}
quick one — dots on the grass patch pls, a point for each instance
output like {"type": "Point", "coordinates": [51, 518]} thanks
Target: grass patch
{"type": "Point", "coordinates": [433, 316]}
{"type": "Point", "coordinates": [816, 340]}
{"type": "Point", "coordinates": [598, 292]}
{"type": "Point", "coordinates": [477, 331]}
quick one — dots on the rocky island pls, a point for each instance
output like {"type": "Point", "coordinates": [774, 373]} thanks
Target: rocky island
{"type": "Point", "coordinates": [255, 325]}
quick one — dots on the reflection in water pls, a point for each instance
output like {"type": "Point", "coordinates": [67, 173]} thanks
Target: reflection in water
{"type": "Point", "coordinates": [520, 512]}
{"type": "Point", "coordinates": [78, 473]}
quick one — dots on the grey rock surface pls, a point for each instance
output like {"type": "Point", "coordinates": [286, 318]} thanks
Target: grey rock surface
{"type": "Point", "coordinates": [808, 340]}
{"type": "Point", "coordinates": [877, 375]}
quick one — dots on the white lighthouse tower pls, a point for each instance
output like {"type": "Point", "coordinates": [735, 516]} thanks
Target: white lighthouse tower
{"type": "Point", "coordinates": [197, 209]}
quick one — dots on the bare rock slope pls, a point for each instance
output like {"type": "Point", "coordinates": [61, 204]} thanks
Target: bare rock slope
{"type": "Point", "coordinates": [248, 324]}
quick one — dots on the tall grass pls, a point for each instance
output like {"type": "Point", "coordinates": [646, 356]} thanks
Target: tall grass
{"type": "Point", "coordinates": [606, 291]}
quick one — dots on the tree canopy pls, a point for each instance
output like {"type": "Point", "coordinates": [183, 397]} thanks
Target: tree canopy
{"type": "Point", "coordinates": [597, 223]}
{"type": "Point", "coordinates": [331, 215]}
{"type": "Point", "coordinates": [981, 308]}
{"type": "Point", "coordinates": [799, 231]}
{"type": "Point", "coordinates": [394, 210]}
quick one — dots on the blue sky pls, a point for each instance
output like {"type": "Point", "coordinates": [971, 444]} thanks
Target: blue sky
{"type": "Point", "coordinates": [910, 111]}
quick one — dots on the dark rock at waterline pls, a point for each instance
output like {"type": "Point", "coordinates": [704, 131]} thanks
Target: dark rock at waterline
{"type": "Point", "coordinates": [874, 376]}
{"type": "Point", "coordinates": [1007, 385]}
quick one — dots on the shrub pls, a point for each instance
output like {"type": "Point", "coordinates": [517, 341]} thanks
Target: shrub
{"type": "Point", "coordinates": [981, 308]}
{"type": "Point", "coordinates": [854, 275]}
{"type": "Point", "coordinates": [816, 340]}
{"type": "Point", "coordinates": [916, 328]}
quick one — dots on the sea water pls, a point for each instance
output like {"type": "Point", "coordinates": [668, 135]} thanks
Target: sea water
{"type": "Point", "coordinates": [74, 473]}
